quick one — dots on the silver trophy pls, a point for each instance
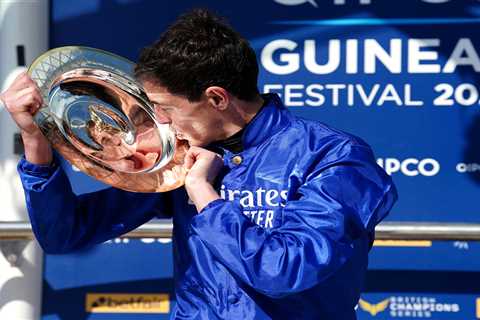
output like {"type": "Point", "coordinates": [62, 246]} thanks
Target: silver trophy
{"type": "Point", "coordinates": [98, 117]}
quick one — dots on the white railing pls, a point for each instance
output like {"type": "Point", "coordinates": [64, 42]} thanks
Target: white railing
{"type": "Point", "coordinates": [384, 231]}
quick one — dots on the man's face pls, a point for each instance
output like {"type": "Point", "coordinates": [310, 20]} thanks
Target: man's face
{"type": "Point", "coordinates": [196, 122]}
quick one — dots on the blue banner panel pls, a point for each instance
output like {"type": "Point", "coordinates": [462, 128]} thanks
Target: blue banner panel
{"type": "Point", "coordinates": [122, 279]}
{"type": "Point", "coordinates": [402, 75]}
{"type": "Point", "coordinates": [133, 279]}
{"type": "Point", "coordinates": [425, 255]}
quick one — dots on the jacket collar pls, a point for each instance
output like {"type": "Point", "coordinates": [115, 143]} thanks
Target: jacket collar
{"type": "Point", "coordinates": [269, 120]}
{"type": "Point", "coordinates": [272, 118]}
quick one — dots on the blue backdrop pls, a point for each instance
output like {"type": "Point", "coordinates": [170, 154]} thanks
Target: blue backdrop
{"type": "Point", "coordinates": [403, 75]}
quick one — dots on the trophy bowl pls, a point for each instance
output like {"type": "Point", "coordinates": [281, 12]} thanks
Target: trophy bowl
{"type": "Point", "coordinates": [98, 117]}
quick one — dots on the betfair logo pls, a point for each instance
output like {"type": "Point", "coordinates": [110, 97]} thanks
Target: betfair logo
{"type": "Point", "coordinates": [374, 309]}
{"type": "Point", "coordinates": [478, 308]}
{"type": "Point", "coordinates": [127, 303]}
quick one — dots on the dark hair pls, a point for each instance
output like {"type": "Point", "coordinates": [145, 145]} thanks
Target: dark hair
{"type": "Point", "coordinates": [197, 51]}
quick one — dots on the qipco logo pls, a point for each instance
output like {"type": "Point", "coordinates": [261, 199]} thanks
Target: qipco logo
{"type": "Point", "coordinates": [345, 2]}
{"type": "Point", "coordinates": [296, 2]}
{"type": "Point", "coordinates": [410, 167]}
{"type": "Point", "coordinates": [468, 167]}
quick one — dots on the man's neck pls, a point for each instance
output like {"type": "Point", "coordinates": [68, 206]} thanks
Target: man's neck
{"type": "Point", "coordinates": [240, 114]}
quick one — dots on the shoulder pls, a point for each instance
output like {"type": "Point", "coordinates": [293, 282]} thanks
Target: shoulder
{"type": "Point", "coordinates": [321, 140]}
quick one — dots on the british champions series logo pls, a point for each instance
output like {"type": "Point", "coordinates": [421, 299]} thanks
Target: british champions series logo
{"type": "Point", "coordinates": [410, 307]}
{"type": "Point", "coordinates": [374, 308]}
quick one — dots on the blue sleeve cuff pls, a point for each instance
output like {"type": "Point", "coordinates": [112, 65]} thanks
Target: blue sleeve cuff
{"type": "Point", "coordinates": [39, 171]}
{"type": "Point", "coordinates": [203, 218]}
{"type": "Point", "coordinates": [211, 205]}
{"type": "Point", "coordinates": [217, 218]}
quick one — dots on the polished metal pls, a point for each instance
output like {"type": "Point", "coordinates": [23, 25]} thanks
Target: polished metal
{"type": "Point", "coordinates": [98, 117]}
{"type": "Point", "coordinates": [427, 231]}
{"type": "Point", "coordinates": [384, 231]}
{"type": "Point", "coordinates": [15, 231]}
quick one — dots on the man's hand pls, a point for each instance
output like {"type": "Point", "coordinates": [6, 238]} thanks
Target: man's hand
{"type": "Point", "coordinates": [203, 166]}
{"type": "Point", "coordinates": [22, 100]}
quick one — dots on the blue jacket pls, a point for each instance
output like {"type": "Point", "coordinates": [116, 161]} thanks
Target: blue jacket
{"type": "Point", "coordinates": [289, 239]}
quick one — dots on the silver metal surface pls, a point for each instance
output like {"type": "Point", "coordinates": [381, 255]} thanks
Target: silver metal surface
{"type": "Point", "coordinates": [384, 231]}
{"type": "Point", "coordinates": [98, 117]}
{"type": "Point", "coordinates": [427, 231]}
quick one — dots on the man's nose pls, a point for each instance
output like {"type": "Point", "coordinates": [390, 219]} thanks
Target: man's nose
{"type": "Point", "coordinates": [161, 116]}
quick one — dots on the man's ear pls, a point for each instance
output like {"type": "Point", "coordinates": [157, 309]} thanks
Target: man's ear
{"type": "Point", "coordinates": [218, 97]}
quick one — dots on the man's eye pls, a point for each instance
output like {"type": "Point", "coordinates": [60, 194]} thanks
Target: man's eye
{"type": "Point", "coordinates": [166, 109]}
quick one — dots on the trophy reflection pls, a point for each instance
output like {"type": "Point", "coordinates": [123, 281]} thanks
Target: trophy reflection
{"type": "Point", "coordinates": [117, 153]}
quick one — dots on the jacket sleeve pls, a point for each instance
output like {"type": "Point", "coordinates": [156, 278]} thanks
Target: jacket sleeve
{"type": "Point", "coordinates": [63, 221]}
{"type": "Point", "coordinates": [340, 200]}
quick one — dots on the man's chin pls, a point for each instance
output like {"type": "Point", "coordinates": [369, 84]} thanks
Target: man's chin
{"type": "Point", "coordinates": [196, 143]}
{"type": "Point", "coordinates": [193, 143]}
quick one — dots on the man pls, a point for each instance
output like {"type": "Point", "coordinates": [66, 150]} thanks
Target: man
{"type": "Point", "coordinates": [280, 227]}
